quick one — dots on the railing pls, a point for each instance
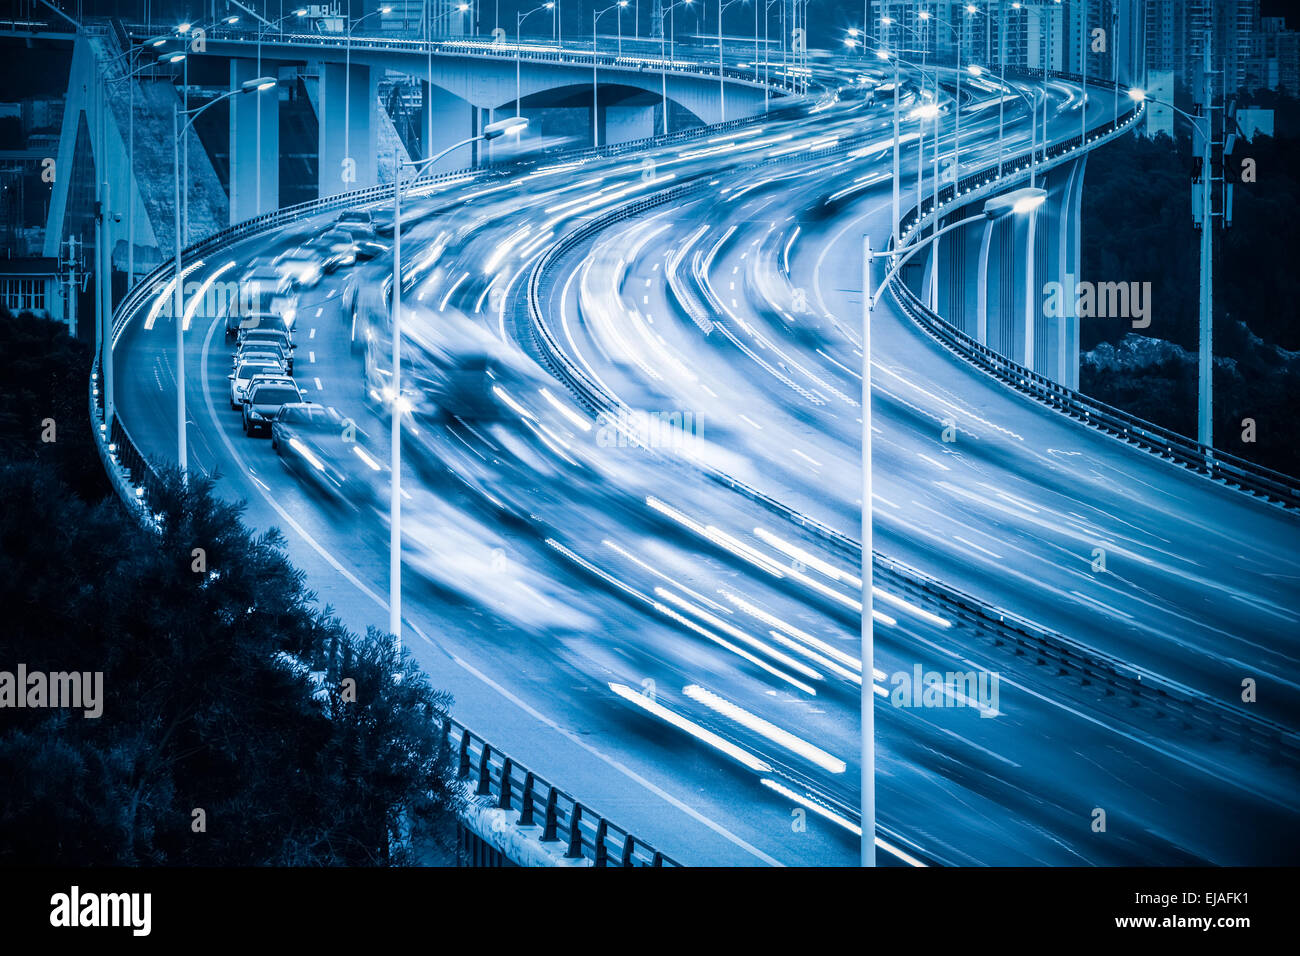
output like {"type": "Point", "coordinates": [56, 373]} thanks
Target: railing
{"type": "Point", "coordinates": [562, 819]}
{"type": "Point", "coordinates": [1235, 472]}
{"type": "Point", "coordinates": [527, 51]}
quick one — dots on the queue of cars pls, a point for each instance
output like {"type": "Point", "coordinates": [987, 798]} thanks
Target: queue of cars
{"type": "Point", "coordinates": [325, 450]}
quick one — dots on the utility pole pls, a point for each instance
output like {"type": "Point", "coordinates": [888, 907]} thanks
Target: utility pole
{"type": "Point", "coordinates": [71, 267]}
{"type": "Point", "coordinates": [1203, 217]}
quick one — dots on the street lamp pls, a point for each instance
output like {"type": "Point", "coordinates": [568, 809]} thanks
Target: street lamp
{"type": "Point", "coordinates": [104, 221]}
{"type": "Point", "coordinates": [347, 81]}
{"type": "Point", "coordinates": [722, 86]}
{"type": "Point", "coordinates": [490, 132]}
{"type": "Point", "coordinates": [178, 131]}
{"type": "Point", "coordinates": [262, 30]}
{"type": "Point", "coordinates": [595, 18]}
{"type": "Point", "coordinates": [519, 22]}
{"type": "Point", "coordinates": [428, 105]}
{"type": "Point", "coordinates": [1205, 370]}
{"type": "Point", "coordinates": [1016, 203]}
{"type": "Point", "coordinates": [663, 64]}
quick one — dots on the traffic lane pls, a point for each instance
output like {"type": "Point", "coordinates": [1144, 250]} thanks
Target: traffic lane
{"type": "Point", "coordinates": [244, 476]}
{"type": "Point", "coordinates": [1189, 564]}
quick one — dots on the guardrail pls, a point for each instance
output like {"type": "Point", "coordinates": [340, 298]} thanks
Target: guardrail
{"type": "Point", "coordinates": [1004, 629]}
{"type": "Point", "coordinates": [1227, 469]}
{"type": "Point", "coordinates": [526, 51]}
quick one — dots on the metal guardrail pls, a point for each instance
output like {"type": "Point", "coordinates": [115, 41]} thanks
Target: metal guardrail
{"type": "Point", "coordinates": [531, 52]}
{"type": "Point", "coordinates": [562, 819]}
{"type": "Point", "coordinates": [1230, 470]}
{"type": "Point", "coordinates": [1003, 628]}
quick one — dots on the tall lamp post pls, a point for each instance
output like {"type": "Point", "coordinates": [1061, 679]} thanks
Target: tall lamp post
{"type": "Point", "coordinates": [428, 106]}
{"type": "Point", "coordinates": [1205, 365]}
{"type": "Point", "coordinates": [179, 130]}
{"type": "Point", "coordinates": [595, 19]}
{"type": "Point", "coordinates": [347, 80]}
{"type": "Point", "coordinates": [722, 86]}
{"type": "Point", "coordinates": [490, 132]}
{"type": "Point", "coordinates": [104, 240]}
{"type": "Point", "coordinates": [663, 64]}
{"type": "Point", "coordinates": [519, 22]}
{"type": "Point", "coordinates": [1022, 201]}
{"type": "Point", "coordinates": [261, 32]}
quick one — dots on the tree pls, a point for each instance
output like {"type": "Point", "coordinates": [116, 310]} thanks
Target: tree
{"type": "Point", "coordinates": [241, 725]}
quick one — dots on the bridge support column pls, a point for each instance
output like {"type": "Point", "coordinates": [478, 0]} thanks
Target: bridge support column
{"type": "Point", "coordinates": [1071, 251]}
{"type": "Point", "coordinates": [354, 132]}
{"type": "Point", "coordinates": [254, 145]}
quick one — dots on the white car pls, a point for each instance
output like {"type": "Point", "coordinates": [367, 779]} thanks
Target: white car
{"type": "Point", "coordinates": [243, 374]}
{"type": "Point", "coordinates": [300, 266]}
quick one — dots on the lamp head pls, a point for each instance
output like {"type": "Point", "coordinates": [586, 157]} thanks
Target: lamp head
{"type": "Point", "coordinates": [258, 84]}
{"type": "Point", "coordinates": [1018, 202]}
{"type": "Point", "coordinates": [1137, 95]}
{"type": "Point", "coordinates": [501, 127]}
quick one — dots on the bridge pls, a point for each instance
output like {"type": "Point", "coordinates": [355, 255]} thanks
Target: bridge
{"type": "Point", "coordinates": [669, 629]}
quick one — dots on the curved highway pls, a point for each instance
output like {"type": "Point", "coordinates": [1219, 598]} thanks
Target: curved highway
{"type": "Point", "coordinates": [681, 651]}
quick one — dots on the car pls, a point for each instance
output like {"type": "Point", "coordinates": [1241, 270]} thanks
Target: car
{"type": "Point", "coordinates": [278, 337]}
{"type": "Point", "coordinates": [279, 321]}
{"type": "Point", "coordinates": [356, 221]}
{"type": "Point", "coordinates": [335, 249]}
{"type": "Point", "coordinates": [262, 353]}
{"type": "Point", "coordinates": [243, 374]}
{"type": "Point", "coordinates": [367, 246]}
{"type": "Point", "coordinates": [327, 451]}
{"type": "Point", "coordinates": [300, 266]}
{"type": "Point", "coordinates": [264, 291]}
{"type": "Point", "coordinates": [283, 353]}
{"type": "Point", "coordinates": [264, 398]}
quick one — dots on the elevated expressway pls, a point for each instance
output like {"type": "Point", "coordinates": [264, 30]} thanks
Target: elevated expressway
{"type": "Point", "coordinates": [593, 604]}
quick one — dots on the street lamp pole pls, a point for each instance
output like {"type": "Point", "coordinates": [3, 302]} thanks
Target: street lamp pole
{"type": "Point", "coordinates": [178, 301]}
{"type": "Point", "coordinates": [1025, 200]}
{"type": "Point", "coordinates": [300, 12]}
{"type": "Point", "coordinates": [1203, 127]}
{"type": "Point", "coordinates": [519, 22]}
{"type": "Point", "coordinates": [722, 86]}
{"type": "Point", "coordinates": [595, 107]}
{"type": "Point", "coordinates": [490, 132]}
{"type": "Point", "coordinates": [347, 82]}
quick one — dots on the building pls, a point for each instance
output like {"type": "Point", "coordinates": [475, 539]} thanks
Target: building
{"type": "Point", "coordinates": [33, 285]}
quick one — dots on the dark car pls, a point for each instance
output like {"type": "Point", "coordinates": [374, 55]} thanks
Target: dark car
{"type": "Point", "coordinates": [264, 398]}
{"type": "Point", "coordinates": [325, 449]}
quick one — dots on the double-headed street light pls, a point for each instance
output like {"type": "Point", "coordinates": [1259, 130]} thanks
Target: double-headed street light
{"type": "Point", "coordinates": [1019, 202]}
{"type": "Point", "coordinates": [722, 85]}
{"type": "Point", "coordinates": [490, 132]}
{"type": "Point", "coordinates": [663, 64]}
{"type": "Point", "coordinates": [595, 19]}
{"type": "Point", "coordinates": [347, 81]}
{"type": "Point", "coordinates": [261, 32]}
{"type": "Point", "coordinates": [182, 199]}
{"type": "Point", "coordinates": [519, 22]}
{"type": "Point", "coordinates": [1205, 345]}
